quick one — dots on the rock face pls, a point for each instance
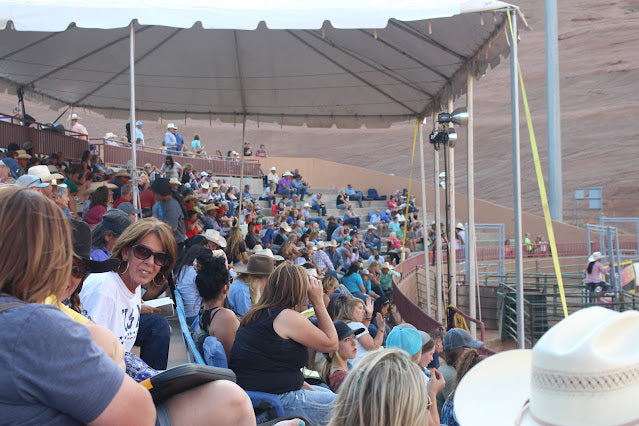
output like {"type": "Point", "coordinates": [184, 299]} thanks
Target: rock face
{"type": "Point", "coordinates": [599, 77]}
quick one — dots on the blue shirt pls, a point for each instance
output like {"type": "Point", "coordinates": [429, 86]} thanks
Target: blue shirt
{"type": "Point", "coordinates": [239, 297]}
{"type": "Point", "coordinates": [169, 141]}
{"type": "Point", "coordinates": [352, 282]}
{"type": "Point", "coordinates": [268, 236]}
{"type": "Point", "coordinates": [180, 141]}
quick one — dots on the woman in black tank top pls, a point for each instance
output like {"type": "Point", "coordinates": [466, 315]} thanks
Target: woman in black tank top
{"type": "Point", "coordinates": [212, 283]}
{"type": "Point", "coordinates": [271, 344]}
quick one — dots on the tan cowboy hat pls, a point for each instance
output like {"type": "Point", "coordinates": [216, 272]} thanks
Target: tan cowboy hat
{"type": "Point", "coordinates": [215, 237]}
{"type": "Point", "coordinates": [173, 181]}
{"type": "Point", "coordinates": [95, 185]}
{"type": "Point", "coordinates": [320, 245]}
{"type": "Point", "coordinates": [204, 185]}
{"type": "Point", "coordinates": [122, 173]}
{"type": "Point", "coordinates": [285, 227]}
{"type": "Point", "coordinates": [386, 265]}
{"type": "Point", "coordinates": [258, 264]}
{"type": "Point", "coordinates": [583, 371]}
{"type": "Point", "coordinates": [593, 257]}
{"type": "Point", "coordinates": [110, 136]}
{"type": "Point", "coordinates": [210, 207]}
{"type": "Point", "coordinates": [190, 198]}
{"type": "Point", "coordinates": [22, 155]}
{"type": "Point", "coordinates": [44, 173]}
{"type": "Point", "coordinates": [332, 243]}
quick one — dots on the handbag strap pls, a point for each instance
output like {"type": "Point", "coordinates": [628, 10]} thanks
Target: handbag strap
{"type": "Point", "coordinates": [7, 306]}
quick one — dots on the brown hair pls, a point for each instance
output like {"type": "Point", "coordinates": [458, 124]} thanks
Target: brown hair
{"type": "Point", "coordinates": [140, 229]}
{"type": "Point", "coordinates": [346, 313]}
{"type": "Point", "coordinates": [452, 356]}
{"type": "Point", "coordinates": [329, 282]}
{"type": "Point", "coordinates": [40, 265]}
{"type": "Point", "coordinates": [233, 240]}
{"type": "Point", "coordinates": [286, 287]}
{"type": "Point", "coordinates": [467, 361]}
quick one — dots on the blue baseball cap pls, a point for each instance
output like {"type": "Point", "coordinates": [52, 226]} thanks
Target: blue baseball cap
{"type": "Point", "coordinates": [12, 165]}
{"type": "Point", "coordinates": [30, 181]}
{"type": "Point", "coordinates": [404, 338]}
{"type": "Point", "coordinates": [138, 123]}
{"type": "Point", "coordinates": [460, 338]}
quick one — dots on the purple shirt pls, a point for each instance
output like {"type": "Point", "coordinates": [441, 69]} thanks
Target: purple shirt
{"type": "Point", "coordinates": [283, 184]}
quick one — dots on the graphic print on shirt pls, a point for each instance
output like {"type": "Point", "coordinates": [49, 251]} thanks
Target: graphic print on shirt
{"type": "Point", "coordinates": [131, 320]}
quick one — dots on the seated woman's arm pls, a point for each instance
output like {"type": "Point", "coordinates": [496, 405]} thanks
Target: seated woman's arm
{"type": "Point", "coordinates": [368, 342]}
{"type": "Point", "coordinates": [290, 324]}
{"type": "Point", "coordinates": [226, 325]}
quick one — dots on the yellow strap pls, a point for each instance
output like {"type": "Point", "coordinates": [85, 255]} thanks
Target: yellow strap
{"type": "Point", "coordinates": [410, 181]}
{"type": "Point", "coordinates": [540, 183]}
{"type": "Point", "coordinates": [147, 384]}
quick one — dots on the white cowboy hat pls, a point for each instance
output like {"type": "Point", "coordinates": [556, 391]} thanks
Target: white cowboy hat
{"type": "Point", "coordinates": [371, 227]}
{"type": "Point", "coordinates": [273, 168]}
{"type": "Point", "coordinates": [583, 371]}
{"type": "Point", "coordinates": [593, 257]}
{"type": "Point", "coordinates": [332, 243]}
{"type": "Point", "coordinates": [174, 181]}
{"type": "Point", "coordinates": [171, 126]}
{"type": "Point", "coordinates": [110, 136]}
{"type": "Point", "coordinates": [75, 117]}
{"type": "Point", "coordinates": [44, 174]}
{"type": "Point", "coordinates": [287, 173]}
{"type": "Point", "coordinates": [460, 226]}
{"type": "Point", "coordinates": [204, 185]}
{"type": "Point", "coordinates": [215, 237]}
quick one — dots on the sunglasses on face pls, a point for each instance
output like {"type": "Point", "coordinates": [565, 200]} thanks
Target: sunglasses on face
{"type": "Point", "coordinates": [142, 252]}
{"type": "Point", "coordinates": [79, 270]}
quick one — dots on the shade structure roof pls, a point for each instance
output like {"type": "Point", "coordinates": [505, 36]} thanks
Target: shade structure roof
{"type": "Point", "coordinates": [319, 63]}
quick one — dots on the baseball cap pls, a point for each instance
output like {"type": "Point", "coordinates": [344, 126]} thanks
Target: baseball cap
{"type": "Point", "coordinates": [460, 338]}
{"type": "Point", "coordinates": [404, 338]}
{"type": "Point", "coordinates": [30, 181]}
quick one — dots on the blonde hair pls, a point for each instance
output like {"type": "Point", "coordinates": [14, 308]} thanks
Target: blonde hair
{"type": "Point", "coordinates": [136, 232]}
{"type": "Point", "coordinates": [40, 265]}
{"type": "Point", "coordinates": [346, 312]}
{"type": "Point", "coordinates": [329, 282]}
{"type": "Point", "coordinates": [253, 282]}
{"type": "Point", "coordinates": [373, 395]}
{"type": "Point", "coordinates": [233, 240]}
{"type": "Point", "coordinates": [286, 287]}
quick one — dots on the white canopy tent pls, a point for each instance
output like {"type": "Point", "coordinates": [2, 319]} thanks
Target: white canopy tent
{"type": "Point", "coordinates": [318, 63]}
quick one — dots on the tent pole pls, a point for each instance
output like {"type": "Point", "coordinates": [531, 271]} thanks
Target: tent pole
{"type": "Point", "coordinates": [470, 232]}
{"type": "Point", "coordinates": [514, 100]}
{"type": "Point", "coordinates": [438, 234]}
{"type": "Point", "coordinates": [239, 210]}
{"type": "Point", "coordinates": [134, 166]}
{"type": "Point", "coordinates": [555, 190]}
{"type": "Point", "coordinates": [426, 262]}
{"type": "Point", "coordinates": [452, 255]}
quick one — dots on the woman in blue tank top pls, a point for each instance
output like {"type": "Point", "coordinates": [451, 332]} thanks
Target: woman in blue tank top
{"type": "Point", "coordinates": [271, 344]}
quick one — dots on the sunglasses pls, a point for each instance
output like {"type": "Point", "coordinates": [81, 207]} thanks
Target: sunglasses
{"type": "Point", "coordinates": [142, 252]}
{"type": "Point", "coordinates": [79, 270]}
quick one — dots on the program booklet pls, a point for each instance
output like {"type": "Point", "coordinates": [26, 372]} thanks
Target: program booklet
{"type": "Point", "coordinates": [164, 306]}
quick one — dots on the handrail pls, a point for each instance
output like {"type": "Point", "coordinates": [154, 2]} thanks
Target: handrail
{"type": "Point", "coordinates": [482, 326]}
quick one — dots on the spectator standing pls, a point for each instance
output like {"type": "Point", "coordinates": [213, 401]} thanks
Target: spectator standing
{"type": "Point", "coordinates": [247, 150]}
{"type": "Point", "coordinates": [261, 152]}
{"type": "Point", "coordinates": [170, 141]}
{"type": "Point", "coordinates": [171, 169]}
{"type": "Point", "coordinates": [78, 128]}
{"type": "Point", "coordinates": [168, 210]}
{"type": "Point", "coordinates": [139, 136]}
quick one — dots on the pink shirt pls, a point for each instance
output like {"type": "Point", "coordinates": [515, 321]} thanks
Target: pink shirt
{"type": "Point", "coordinates": [79, 128]}
{"type": "Point", "coordinates": [597, 273]}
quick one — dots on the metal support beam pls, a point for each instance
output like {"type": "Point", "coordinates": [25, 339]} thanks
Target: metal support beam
{"type": "Point", "coordinates": [438, 234]}
{"type": "Point", "coordinates": [555, 189]}
{"type": "Point", "coordinates": [452, 255]}
{"type": "Point", "coordinates": [134, 166]}
{"type": "Point", "coordinates": [514, 100]}
{"type": "Point", "coordinates": [470, 232]}
{"type": "Point", "coordinates": [424, 217]}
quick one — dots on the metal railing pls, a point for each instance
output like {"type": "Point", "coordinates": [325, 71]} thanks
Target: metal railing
{"type": "Point", "coordinates": [47, 141]}
{"type": "Point", "coordinates": [542, 304]}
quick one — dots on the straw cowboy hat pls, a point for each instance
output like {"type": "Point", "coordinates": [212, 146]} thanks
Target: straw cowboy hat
{"type": "Point", "coordinates": [332, 243]}
{"type": "Point", "coordinates": [269, 253]}
{"type": "Point", "coordinates": [95, 185]}
{"type": "Point", "coordinates": [214, 236]}
{"type": "Point", "coordinates": [386, 265]}
{"type": "Point", "coordinates": [460, 226]}
{"type": "Point", "coordinates": [174, 181]}
{"type": "Point", "coordinates": [22, 155]}
{"type": "Point", "coordinates": [583, 371]}
{"type": "Point", "coordinates": [123, 173]}
{"type": "Point", "coordinates": [204, 185]}
{"type": "Point", "coordinates": [258, 264]}
{"type": "Point", "coordinates": [593, 257]}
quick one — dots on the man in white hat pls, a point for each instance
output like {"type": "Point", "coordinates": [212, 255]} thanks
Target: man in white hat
{"type": "Point", "coordinates": [272, 177]}
{"type": "Point", "coordinates": [215, 241]}
{"type": "Point", "coordinates": [459, 231]}
{"type": "Point", "coordinates": [139, 136]}
{"type": "Point", "coordinates": [372, 240]}
{"type": "Point", "coordinates": [170, 142]}
{"type": "Point", "coordinates": [78, 128]}
{"type": "Point", "coordinates": [284, 185]}
{"type": "Point", "coordinates": [110, 139]}
{"type": "Point", "coordinates": [583, 371]}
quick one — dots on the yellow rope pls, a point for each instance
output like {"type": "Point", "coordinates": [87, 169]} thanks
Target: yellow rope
{"type": "Point", "coordinates": [410, 181]}
{"type": "Point", "coordinates": [540, 183]}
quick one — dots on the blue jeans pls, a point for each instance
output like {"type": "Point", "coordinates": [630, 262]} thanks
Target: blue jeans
{"type": "Point", "coordinates": [301, 191]}
{"type": "Point", "coordinates": [285, 191]}
{"type": "Point", "coordinates": [319, 208]}
{"type": "Point", "coordinates": [358, 195]}
{"type": "Point", "coordinates": [154, 336]}
{"type": "Point", "coordinates": [316, 406]}
{"type": "Point", "coordinates": [376, 245]}
{"type": "Point", "coordinates": [353, 221]}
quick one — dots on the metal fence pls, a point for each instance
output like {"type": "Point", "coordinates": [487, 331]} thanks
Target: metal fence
{"type": "Point", "coordinates": [47, 142]}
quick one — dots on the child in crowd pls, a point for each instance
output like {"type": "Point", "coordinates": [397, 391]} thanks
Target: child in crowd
{"type": "Point", "coordinates": [335, 367]}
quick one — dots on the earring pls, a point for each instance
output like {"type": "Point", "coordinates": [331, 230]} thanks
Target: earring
{"type": "Point", "coordinates": [125, 269]}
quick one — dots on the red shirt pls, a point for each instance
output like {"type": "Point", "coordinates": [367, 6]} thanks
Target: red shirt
{"type": "Point", "coordinates": [147, 199]}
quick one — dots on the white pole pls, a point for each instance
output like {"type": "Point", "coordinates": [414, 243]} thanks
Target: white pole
{"type": "Point", "coordinates": [438, 235]}
{"type": "Point", "coordinates": [134, 166]}
{"type": "Point", "coordinates": [424, 217]}
{"type": "Point", "coordinates": [470, 232]}
{"type": "Point", "coordinates": [514, 100]}
{"type": "Point", "coordinates": [239, 212]}
{"type": "Point", "coordinates": [452, 258]}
